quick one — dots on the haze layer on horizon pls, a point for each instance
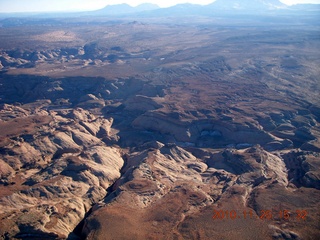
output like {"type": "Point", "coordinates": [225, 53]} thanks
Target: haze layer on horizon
{"type": "Point", "coordinates": [10, 6]}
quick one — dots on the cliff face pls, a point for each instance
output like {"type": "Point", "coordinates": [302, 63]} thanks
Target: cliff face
{"type": "Point", "coordinates": [176, 132]}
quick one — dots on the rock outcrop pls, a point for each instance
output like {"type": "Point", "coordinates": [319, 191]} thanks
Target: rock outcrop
{"type": "Point", "coordinates": [56, 176]}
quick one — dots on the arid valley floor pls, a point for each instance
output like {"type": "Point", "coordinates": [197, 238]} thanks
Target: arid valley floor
{"type": "Point", "coordinates": [159, 129]}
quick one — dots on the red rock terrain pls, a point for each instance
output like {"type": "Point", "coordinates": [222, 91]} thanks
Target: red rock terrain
{"type": "Point", "coordinates": [160, 131]}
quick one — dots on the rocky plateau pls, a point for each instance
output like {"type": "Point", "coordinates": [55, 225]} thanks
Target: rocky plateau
{"type": "Point", "coordinates": [142, 130]}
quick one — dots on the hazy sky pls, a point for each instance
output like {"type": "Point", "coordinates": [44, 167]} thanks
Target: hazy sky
{"type": "Point", "coordinates": [69, 5]}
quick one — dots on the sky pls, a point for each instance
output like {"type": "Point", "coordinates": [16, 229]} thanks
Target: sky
{"type": "Point", "coordinates": [76, 5]}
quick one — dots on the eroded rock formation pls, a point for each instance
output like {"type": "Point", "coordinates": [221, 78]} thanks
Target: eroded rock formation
{"type": "Point", "coordinates": [147, 140]}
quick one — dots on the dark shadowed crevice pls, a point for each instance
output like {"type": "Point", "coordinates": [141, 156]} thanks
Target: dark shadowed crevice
{"type": "Point", "coordinates": [112, 192]}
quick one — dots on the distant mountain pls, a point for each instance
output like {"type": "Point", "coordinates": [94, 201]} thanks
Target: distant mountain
{"type": "Point", "coordinates": [179, 10]}
{"type": "Point", "coordinates": [247, 5]}
{"type": "Point", "coordinates": [146, 7]}
{"type": "Point", "coordinates": [251, 7]}
{"type": "Point", "coordinates": [121, 9]}
{"type": "Point", "coordinates": [219, 7]}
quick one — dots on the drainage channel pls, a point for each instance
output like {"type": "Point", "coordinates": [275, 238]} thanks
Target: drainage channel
{"type": "Point", "coordinates": [77, 233]}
